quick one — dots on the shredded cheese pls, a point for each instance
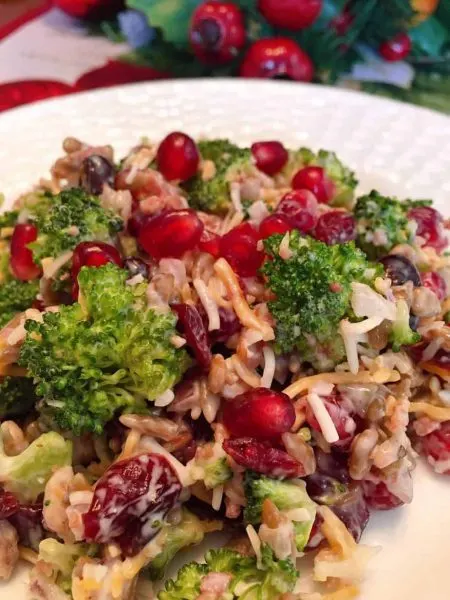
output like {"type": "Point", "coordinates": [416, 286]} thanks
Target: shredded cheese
{"type": "Point", "coordinates": [208, 304]}
{"type": "Point", "coordinates": [28, 555]}
{"type": "Point", "coordinates": [269, 367]}
{"type": "Point", "coordinates": [383, 375]}
{"type": "Point", "coordinates": [437, 413]}
{"type": "Point", "coordinates": [326, 424]}
{"type": "Point", "coordinates": [235, 197]}
{"type": "Point", "coordinates": [353, 334]}
{"type": "Point", "coordinates": [165, 398]}
{"type": "Point", "coordinates": [217, 497]}
{"type": "Point", "coordinates": [256, 544]}
{"type": "Point", "coordinates": [250, 377]}
{"type": "Point", "coordinates": [246, 316]}
{"type": "Point", "coordinates": [149, 444]}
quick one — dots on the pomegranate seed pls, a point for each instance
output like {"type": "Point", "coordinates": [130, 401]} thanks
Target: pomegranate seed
{"type": "Point", "coordinates": [171, 233]}
{"type": "Point", "coordinates": [274, 224]}
{"type": "Point", "coordinates": [239, 248]}
{"type": "Point", "coordinates": [132, 496]}
{"type": "Point", "coordinates": [210, 242]}
{"type": "Point", "coordinates": [435, 283]}
{"type": "Point", "coordinates": [397, 48]}
{"type": "Point", "coordinates": [436, 448]}
{"type": "Point", "coordinates": [22, 264]}
{"type": "Point", "coordinates": [315, 180]}
{"type": "Point", "coordinates": [178, 157]}
{"type": "Point", "coordinates": [9, 504]}
{"type": "Point", "coordinates": [429, 226]}
{"type": "Point", "coordinates": [137, 221]}
{"type": "Point", "coordinates": [335, 227]}
{"type": "Point", "coordinates": [92, 254]}
{"type": "Point", "coordinates": [262, 458]}
{"type": "Point", "coordinates": [261, 413]}
{"type": "Point", "coordinates": [300, 208]}
{"type": "Point", "coordinates": [194, 330]}
{"type": "Point", "coordinates": [344, 423]}
{"type": "Point", "coordinates": [379, 497]}
{"type": "Point", "coordinates": [270, 156]}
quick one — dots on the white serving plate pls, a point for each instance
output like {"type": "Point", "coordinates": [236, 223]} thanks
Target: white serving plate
{"type": "Point", "coordinates": [397, 148]}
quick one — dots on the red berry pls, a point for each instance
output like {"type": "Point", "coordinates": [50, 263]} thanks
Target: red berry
{"type": "Point", "coordinates": [210, 242]}
{"type": "Point", "coordinates": [435, 283]}
{"type": "Point", "coordinates": [270, 156]}
{"type": "Point", "coordinates": [342, 22]}
{"type": "Point", "coordinates": [379, 497]}
{"type": "Point", "coordinates": [262, 458]}
{"type": "Point", "coordinates": [343, 421]}
{"type": "Point", "coordinates": [239, 248]}
{"type": "Point", "coordinates": [277, 57]}
{"type": "Point", "coordinates": [171, 233]}
{"type": "Point", "coordinates": [436, 447]}
{"type": "Point", "coordinates": [429, 226]}
{"type": "Point", "coordinates": [217, 32]}
{"type": "Point", "coordinates": [134, 495]}
{"type": "Point", "coordinates": [397, 48]}
{"type": "Point", "coordinates": [178, 157]}
{"type": "Point", "coordinates": [316, 181]}
{"type": "Point", "coordinates": [335, 227]}
{"type": "Point", "coordinates": [191, 325]}
{"type": "Point", "coordinates": [22, 263]}
{"type": "Point", "coordinates": [261, 413]}
{"type": "Point", "coordinates": [290, 14]}
{"type": "Point", "coordinates": [136, 222]}
{"type": "Point", "coordinates": [300, 208]}
{"type": "Point", "coordinates": [274, 224]}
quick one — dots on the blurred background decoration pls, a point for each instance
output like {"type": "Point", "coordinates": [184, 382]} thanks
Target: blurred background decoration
{"type": "Point", "coordinates": [395, 48]}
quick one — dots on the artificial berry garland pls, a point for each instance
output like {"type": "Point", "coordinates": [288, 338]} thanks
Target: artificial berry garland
{"type": "Point", "coordinates": [325, 41]}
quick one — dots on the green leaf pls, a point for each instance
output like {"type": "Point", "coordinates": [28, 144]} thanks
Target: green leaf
{"type": "Point", "coordinates": [172, 17]}
{"type": "Point", "coordinates": [429, 37]}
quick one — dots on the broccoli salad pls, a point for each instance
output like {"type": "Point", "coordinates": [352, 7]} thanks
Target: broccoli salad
{"type": "Point", "coordinates": [199, 338]}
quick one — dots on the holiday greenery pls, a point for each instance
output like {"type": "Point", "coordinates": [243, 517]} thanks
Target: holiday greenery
{"type": "Point", "coordinates": [396, 48]}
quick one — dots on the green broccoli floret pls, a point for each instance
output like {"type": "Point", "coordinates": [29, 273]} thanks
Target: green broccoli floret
{"type": "Point", "coordinates": [9, 218]}
{"type": "Point", "coordinates": [17, 397]}
{"type": "Point", "coordinates": [343, 178]}
{"type": "Point", "coordinates": [70, 217]}
{"type": "Point", "coordinates": [381, 224]}
{"type": "Point", "coordinates": [189, 531]}
{"type": "Point", "coordinates": [26, 474]}
{"type": "Point", "coordinates": [285, 495]}
{"type": "Point", "coordinates": [62, 558]}
{"type": "Point", "coordinates": [211, 465]}
{"type": "Point", "coordinates": [401, 333]}
{"type": "Point", "coordinates": [313, 290]}
{"type": "Point", "coordinates": [231, 164]}
{"type": "Point", "coordinates": [16, 296]}
{"type": "Point", "coordinates": [104, 356]}
{"type": "Point", "coordinates": [269, 582]}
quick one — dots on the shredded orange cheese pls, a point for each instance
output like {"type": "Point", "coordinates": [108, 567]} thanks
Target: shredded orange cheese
{"type": "Point", "coordinates": [28, 555]}
{"type": "Point", "coordinates": [383, 375]}
{"type": "Point", "coordinates": [437, 413]}
{"type": "Point", "coordinates": [245, 314]}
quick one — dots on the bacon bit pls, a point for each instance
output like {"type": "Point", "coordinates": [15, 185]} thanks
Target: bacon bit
{"type": "Point", "coordinates": [335, 287]}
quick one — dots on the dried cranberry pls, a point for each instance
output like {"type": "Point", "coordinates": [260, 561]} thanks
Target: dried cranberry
{"type": "Point", "coordinates": [95, 172]}
{"type": "Point", "coordinates": [300, 208]}
{"type": "Point", "coordinates": [270, 156]}
{"type": "Point", "coordinates": [194, 330]}
{"type": "Point", "coordinates": [315, 180]}
{"type": "Point", "coordinates": [171, 233]}
{"type": "Point", "coordinates": [429, 226]}
{"type": "Point", "coordinates": [436, 447]}
{"type": "Point", "coordinates": [9, 504]}
{"type": "Point", "coordinates": [263, 458]}
{"type": "Point", "coordinates": [132, 496]}
{"type": "Point", "coordinates": [239, 248]}
{"type": "Point", "coordinates": [435, 283]}
{"type": "Point", "coordinates": [260, 413]}
{"type": "Point", "coordinates": [335, 227]}
{"type": "Point", "coordinates": [229, 325]}
{"type": "Point", "coordinates": [210, 242]}
{"type": "Point", "coordinates": [344, 423]}
{"type": "Point", "coordinates": [178, 157]}
{"type": "Point", "coordinates": [379, 497]}
{"type": "Point", "coordinates": [22, 263]}
{"type": "Point", "coordinates": [92, 254]}
{"type": "Point", "coordinates": [274, 224]}
{"type": "Point", "coordinates": [397, 48]}
{"type": "Point", "coordinates": [28, 524]}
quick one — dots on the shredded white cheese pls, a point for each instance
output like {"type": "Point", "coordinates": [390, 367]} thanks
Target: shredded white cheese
{"type": "Point", "coordinates": [149, 444]}
{"type": "Point", "coordinates": [354, 334]}
{"type": "Point", "coordinates": [165, 399]}
{"type": "Point", "coordinates": [256, 544]}
{"type": "Point", "coordinates": [209, 304]}
{"type": "Point", "coordinates": [217, 497]}
{"type": "Point", "coordinates": [327, 426]}
{"type": "Point", "coordinates": [269, 367]}
{"type": "Point", "coordinates": [235, 196]}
